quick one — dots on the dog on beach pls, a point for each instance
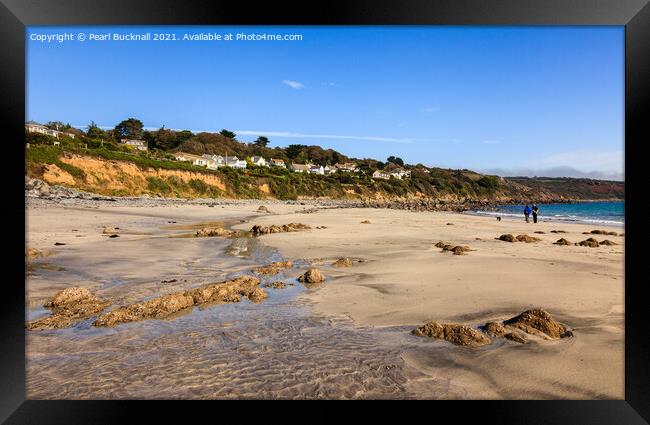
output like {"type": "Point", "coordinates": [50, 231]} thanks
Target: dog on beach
{"type": "Point", "coordinates": [498, 218]}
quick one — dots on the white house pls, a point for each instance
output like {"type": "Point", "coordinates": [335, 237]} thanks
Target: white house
{"type": "Point", "coordinates": [259, 161]}
{"type": "Point", "coordinates": [216, 161]}
{"type": "Point", "coordinates": [316, 169]}
{"type": "Point", "coordinates": [187, 157]}
{"type": "Point", "coordinates": [33, 127]}
{"type": "Point", "coordinates": [278, 163]}
{"type": "Point", "coordinates": [234, 162]}
{"type": "Point", "coordinates": [300, 168]}
{"type": "Point", "coordinates": [347, 167]}
{"type": "Point", "coordinates": [329, 170]}
{"type": "Point", "coordinates": [140, 145]}
{"type": "Point", "coordinates": [378, 174]}
{"type": "Point", "coordinates": [400, 173]}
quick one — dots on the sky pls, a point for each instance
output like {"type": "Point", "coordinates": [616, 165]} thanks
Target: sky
{"type": "Point", "coordinates": [508, 100]}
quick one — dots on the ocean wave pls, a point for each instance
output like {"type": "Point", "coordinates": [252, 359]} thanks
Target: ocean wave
{"type": "Point", "coordinates": [555, 217]}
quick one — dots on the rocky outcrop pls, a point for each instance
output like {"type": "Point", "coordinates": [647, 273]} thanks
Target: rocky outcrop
{"type": "Point", "coordinates": [32, 253]}
{"type": "Point", "coordinates": [263, 209]}
{"type": "Point", "coordinates": [164, 306]}
{"type": "Point", "coordinates": [291, 227]}
{"type": "Point", "coordinates": [455, 249]}
{"type": "Point", "coordinates": [562, 241]}
{"type": "Point", "coordinates": [603, 232]}
{"type": "Point", "coordinates": [590, 242]}
{"type": "Point", "coordinates": [527, 239]}
{"type": "Point", "coordinates": [273, 268]}
{"type": "Point", "coordinates": [214, 231]}
{"type": "Point", "coordinates": [456, 334]}
{"type": "Point", "coordinates": [507, 238]}
{"type": "Point", "coordinates": [278, 284]}
{"type": "Point", "coordinates": [607, 242]}
{"type": "Point", "coordinates": [68, 307]}
{"type": "Point", "coordinates": [342, 262]}
{"type": "Point", "coordinates": [496, 329]}
{"type": "Point", "coordinates": [37, 188]}
{"type": "Point", "coordinates": [312, 276]}
{"type": "Point", "coordinates": [538, 322]}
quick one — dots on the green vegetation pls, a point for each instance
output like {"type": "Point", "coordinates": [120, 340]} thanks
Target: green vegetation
{"type": "Point", "coordinates": [279, 182]}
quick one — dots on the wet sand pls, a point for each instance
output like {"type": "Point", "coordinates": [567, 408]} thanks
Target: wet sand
{"type": "Point", "coordinates": [347, 338]}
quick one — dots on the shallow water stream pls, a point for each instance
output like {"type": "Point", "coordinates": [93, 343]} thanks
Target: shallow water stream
{"type": "Point", "coordinates": [274, 349]}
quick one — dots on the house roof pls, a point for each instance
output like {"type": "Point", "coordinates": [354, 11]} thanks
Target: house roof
{"type": "Point", "coordinates": [300, 166]}
{"type": "Point", "coordinates": [256, 158]}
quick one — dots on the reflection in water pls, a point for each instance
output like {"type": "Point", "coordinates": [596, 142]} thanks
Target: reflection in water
{"type": "Point", "coordinates": [275, 349]}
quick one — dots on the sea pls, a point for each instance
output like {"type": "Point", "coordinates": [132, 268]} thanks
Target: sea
{"type": "Point", "coordinates": [602, 213]}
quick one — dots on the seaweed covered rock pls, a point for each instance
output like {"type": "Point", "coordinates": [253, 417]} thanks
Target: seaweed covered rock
{"type": "Point", "coordinates": [497, 329]}
{"type": "Point", "coordinates": [273, 268]}
{"type": "Point", "coordinates": [538, 322]}
{"type": "Point", "coordinates": [456, 334]}
{"type": "Point", "coordinates": [607, 242]}
{"type": "Point", "coordinates": [562, 241]}
{"type": "Point", "coordinates": [258, 229]}
{"type": "Point", "coordinates": [507, 238]}
{"type": "Point", "coordinates": [164, 306]}
{"type": "Point", "coordinates": [32, 253]}
{"type": "Point", "coordinates": [527, 239]}
{"type": "Point", "coordinates": [312, 276]}
{"type": "Point", "coordinates": [590, 242]}
{"type": "Point", "coordinates": [213, 231]}
{"type": "Point", "coordinates": [365, 222]}
{"type": "Point", "coordinates": [68, 307]}
{"type": "Point", "coordinates": [342, 262]}
{"type": "Point", "coordinates": [263, 209]}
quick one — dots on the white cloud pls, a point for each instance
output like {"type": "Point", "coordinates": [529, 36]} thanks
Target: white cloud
{"type": "Point", "coordinates": [587, 159]}
{"type": "Point", "coordinates": [430, 109]}
{"type": "Point", "coordinates": [321, 136]}
{"type": "Point", "coordinates": [293, 84]}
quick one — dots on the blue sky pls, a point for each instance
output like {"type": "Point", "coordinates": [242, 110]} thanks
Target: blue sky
{"type": "Point", "coordinates": [505, 99]}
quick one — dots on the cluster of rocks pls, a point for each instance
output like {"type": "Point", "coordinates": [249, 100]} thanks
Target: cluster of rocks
{"type": "Point", "coordinates": [164, 306]}
{"type": "Point", "coordinates": [519, 238]}
{"type": "Point", "coordinates": [593, 243]}
{"type": "Point", "coordinates": [342, 262]}
{"type": "Point", "coordinates": [291, 227]}
{"type": "Point", "coordinates": [601, 232]}
{"type": "Point", "coordinates": [36, 188]}
{"type": "Point", "coordinates": [455, 249]}
{"type": "Point", "coordinates": [273, 268]}
{"type": "Point", "coordinates": [536, 322]}
{"type": "Point", "coordinates": [214, 231]}
{"type": "Point", "coordinates": [68, 307]}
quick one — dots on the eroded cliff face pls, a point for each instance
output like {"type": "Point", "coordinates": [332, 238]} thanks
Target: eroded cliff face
{"type": "Point", "coordinates": [117, 178]}
{"type": "Point", "coordinates": [122, 178]}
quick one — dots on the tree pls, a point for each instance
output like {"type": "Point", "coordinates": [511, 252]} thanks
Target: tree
{"type": "Point", "coordinates": [395, 160]}
{"type": "Point", "coordinates": [261, 142]}
{"type": "Point", "coordinates": [293, 151]}
{"type": "Point", "coordinates": [94, 132]}
{"type": "Point", "coordinates": [57, 125]}
{"type": "Point", "coordinates": [129, 129]}
{"type": "Point", "coordinates": [227, 133]}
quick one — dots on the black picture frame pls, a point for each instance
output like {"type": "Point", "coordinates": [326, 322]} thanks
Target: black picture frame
{"type": "Point", "coordinates": [15, 15]}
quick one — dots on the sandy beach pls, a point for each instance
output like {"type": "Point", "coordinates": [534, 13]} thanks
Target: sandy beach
{"type": "Point", "coordinates": [401, 282]}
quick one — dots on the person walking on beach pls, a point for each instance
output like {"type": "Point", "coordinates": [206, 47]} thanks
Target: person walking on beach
{"type": "Point", "coordinates": [535, 211]}
{"type": "Point", "coordinates": [527, 212]}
